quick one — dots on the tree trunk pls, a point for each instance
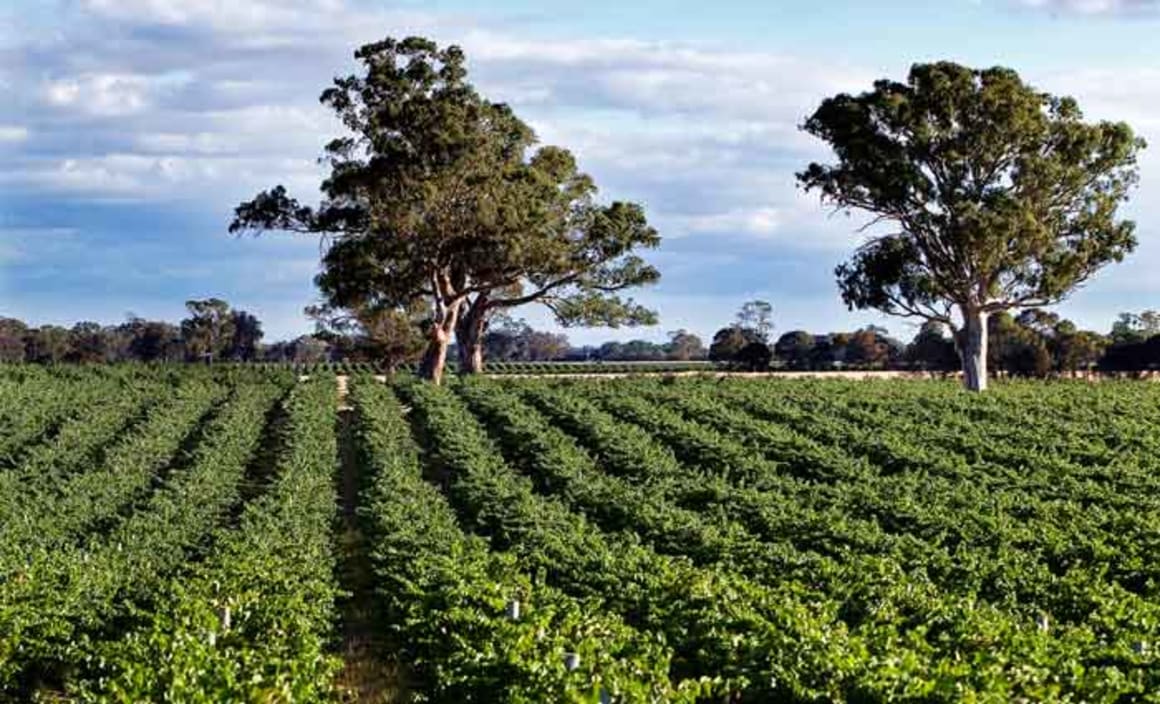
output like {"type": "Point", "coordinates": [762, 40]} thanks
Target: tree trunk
{"type": "Point", "coordinates": [469, 337]}
{"type": "Point", "coordinates": [435, 356]}
{"type": "Point", "coordinates": [471, 357]}
{"type": "Point", "coordinates": [972, 344]}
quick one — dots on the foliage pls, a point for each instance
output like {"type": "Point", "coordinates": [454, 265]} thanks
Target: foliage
{"type": "Point", "coordinates": [1132, 328]}
{"type": "Point", "coordinates": [436, 195]}
{"type": "Point", "coordinates": [728, 342]}
{"type": "Point", "coordinates": [932, 350]}
{"type": "Point", "coordinates": [435, 580]}
{"type": "Point", "coordinates": [758, 317]}
{"type": "Point", "coordinates": [795, 348]}
{"type": "Point", "coordinates": [58, 602]}
{"type": "Point", "coordinates": [209, 329]}
{"type": "Point", "coordinates": [508, 340]}
{"type": "Point", "coordinates": [684, 345]}
{"type": "Point", "coordinates": [754, 357]}
{"type": "Point", "coordinates": [911, 494]}
{"type": "Point", "coordinates": [687, 539]}
{"type": "Point", "coordinates": [998, 196]}
{"type": "Point", "coordinates": [392, 336]}
{"type": "Point", "coordinates": [254, 621]}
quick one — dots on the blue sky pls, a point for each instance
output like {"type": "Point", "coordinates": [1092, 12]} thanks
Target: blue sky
{"type": "Point", "coordinates": [130, 128]}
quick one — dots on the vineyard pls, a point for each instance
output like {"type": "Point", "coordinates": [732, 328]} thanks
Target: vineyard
{"type": "Point", "coordinates": [240, 534]}
{"type": "Point", "coordinates": [506, 368]}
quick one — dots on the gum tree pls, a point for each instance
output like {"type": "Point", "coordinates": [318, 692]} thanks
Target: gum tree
{"type": "Point", "coordinates": [992, 196]}
{"type": "Point", "coordinates": [439, 195]}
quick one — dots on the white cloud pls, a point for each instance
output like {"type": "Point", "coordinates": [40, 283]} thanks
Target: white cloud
{"type": "Point", "coordinates": [152, 177]}
{"type": "Point", "coordinates": [758, 222]}
{"type": "Point", "coordinates": [1093, 7]}
{"type": "Point", "coordinates": [704, 135]}
{"type": "Point", "coordinates": [651, 78]}
{"type": "Point", "coordinates": [13, 133]}
{"type": "Point", "coordinates": [105, 94]}
{"type": "Point", "coordinates": [224, 15]}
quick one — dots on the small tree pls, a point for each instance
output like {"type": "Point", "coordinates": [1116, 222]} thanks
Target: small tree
{"type": "Point", "coordinates": [247, 334]}
{"type": "Point", "coordinates": [88, 343]}
{"type": "Point", "coordinates": [998, 196]}
{"type": "Point", "coordinates": [47, 344]}
{"type": "Point", "coordinates": [867, 348]}
{"type": "Point", "coordinates": [754, 357]}
{"type": "Point", "coordinates": [151, 340]}
{"type": "Point", "coordinates": [1130, 327]}
{"type": "Point", "coordinates": [12, 339]}
{"type": "Point", "coordinates": [393, 336]}
{"type": "Point", "coordinates": [684, 345]}
{"type": "Point", "coordinates": [795, 348]}
{"type": "Point", "coordinates": [727, 342]}
{"type": "Point", "coordinates": [931, 349]}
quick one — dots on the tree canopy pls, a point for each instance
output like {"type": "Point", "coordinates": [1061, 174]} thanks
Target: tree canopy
{"type": "Point", "coordinates": [756, 316]}
{"type": "Point", "coordinates": [440, 195]}
{"type": "Point", "coordinates": [995, 196]}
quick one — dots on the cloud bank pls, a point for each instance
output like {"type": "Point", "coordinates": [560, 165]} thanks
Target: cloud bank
{"type": "Point", "coordinates": [140, 124]}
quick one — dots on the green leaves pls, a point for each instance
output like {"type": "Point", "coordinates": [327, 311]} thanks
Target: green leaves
{"type": "Point", "coordinates": [448, 594]}
{"type": "Point", "coordinates": [441, 196]}
{"type": "Point", "coordinates": [996, 196]}
{"type": "Point", "coordinates": [254, 621]}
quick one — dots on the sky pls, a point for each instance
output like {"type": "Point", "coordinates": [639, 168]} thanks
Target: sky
{"type": "Point", "coordinates": [130, 129]}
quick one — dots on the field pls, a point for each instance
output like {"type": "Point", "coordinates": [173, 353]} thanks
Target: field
{"type": "Point", "coordinates": [198, 535]}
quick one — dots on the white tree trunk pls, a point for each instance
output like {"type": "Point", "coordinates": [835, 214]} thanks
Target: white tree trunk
{"type": "Point", "coordinates": [972, 344]}
{"type": "Point", "coordinates": [438, 340]}
{"type": "Point", "coordinates": [435, 357]}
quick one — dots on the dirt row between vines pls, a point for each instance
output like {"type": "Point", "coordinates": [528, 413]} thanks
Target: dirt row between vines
{"type": "Point", "coordinates": [370, 673]}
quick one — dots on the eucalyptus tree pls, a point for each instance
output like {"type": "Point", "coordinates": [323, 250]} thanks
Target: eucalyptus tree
{"type": "Point", "coordinates": [758, 317]}
{"type": "Point", "coordinates": [1130, 327]}
{"type": "Point", "coordinates": [995, 196]}
{"type": "Point", "coordinates": [439, 195]}
{"type": "Point", "coordinates": [209, 329]}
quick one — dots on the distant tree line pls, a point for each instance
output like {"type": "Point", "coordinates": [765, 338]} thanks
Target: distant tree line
{"type": "Point", "coordinates": [1034, 343]}
{"type": "Point", "coordinates": [213, 331]}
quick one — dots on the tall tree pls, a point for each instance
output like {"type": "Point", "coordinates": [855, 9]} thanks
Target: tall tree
{"type": "Point", "coordinates": [209, 329]}
{"type": "Point", "coordinates": [997, 196]}
{"type": "Point", "coordinates": [758, 317]}
{"type": "Point", "coordinates": [436, 194]}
